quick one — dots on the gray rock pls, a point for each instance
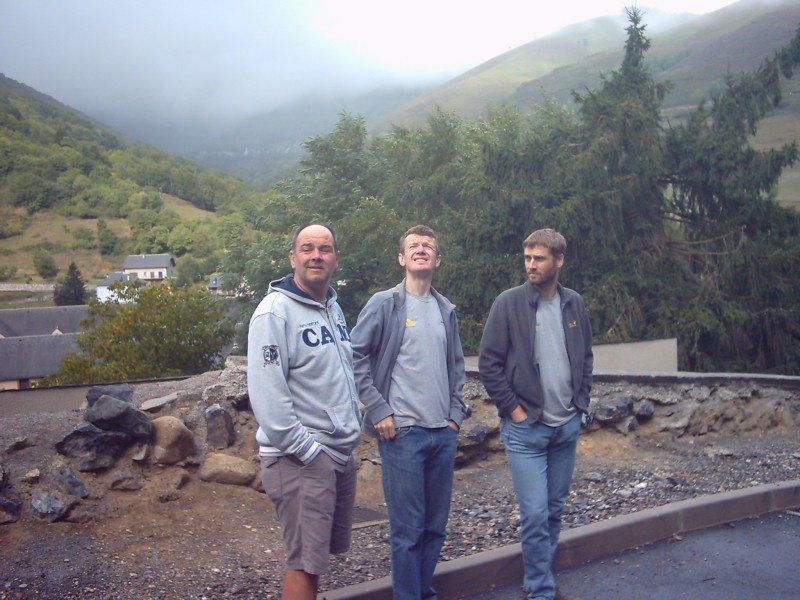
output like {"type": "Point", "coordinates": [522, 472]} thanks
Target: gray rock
{"type": "Point", "coordinates": [126, 481]}
{"type": "Point", "coordinates": [121, 391]}
{"type": "Point", "coordinates": [644, 409]}
{"type": "Point", "coordinates": [473, 435]}
{"type": "Point", "coordinates": [9, 510]}
{"type": "Point", "coordinates": [48, 506]}
{"type": "Point", "coordinates": [72, 485]}
{"type": "Point", "coordinates": [219, 427]}
{"type": "Point", "coordinates": [155, 404]}
{"type": "Point", "coordinates": [92, 448]}
{"type": "Point", "coordinates": [614, 410]}
{"type": "Point", "coordinates": [113, 414]}
{"type": "Point", "coordinates": [19, 443]}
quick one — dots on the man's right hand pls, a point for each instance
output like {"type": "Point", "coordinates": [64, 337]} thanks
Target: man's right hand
{"type": "Point", "coordinates": [385, 428]}
{"type": "Point", "coordinates": [518, 415]}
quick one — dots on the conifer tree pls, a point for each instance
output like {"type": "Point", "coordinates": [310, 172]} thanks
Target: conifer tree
{"type": "Point", "coordinates": [72, 290]}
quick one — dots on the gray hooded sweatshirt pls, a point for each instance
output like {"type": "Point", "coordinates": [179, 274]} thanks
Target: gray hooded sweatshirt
{"type": "Point", "coordinates": [300, 375]}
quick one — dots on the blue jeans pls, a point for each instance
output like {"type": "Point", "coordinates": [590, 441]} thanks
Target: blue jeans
{"type": "Point", "coordinates": [542, 460]}
{"type": "Point", "coordinates": [417, 483]}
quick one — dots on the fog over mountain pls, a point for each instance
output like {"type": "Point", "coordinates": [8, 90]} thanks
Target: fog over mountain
{"type": "Point", "coordinates": [172, 73]}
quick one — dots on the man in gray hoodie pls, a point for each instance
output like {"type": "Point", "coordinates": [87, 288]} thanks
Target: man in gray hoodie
{"type": "Point", "coordinates": [410, 372]}
{"type": "Point", "coordinates": [303, 395]}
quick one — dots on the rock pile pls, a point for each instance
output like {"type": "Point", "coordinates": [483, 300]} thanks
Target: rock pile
{"type": "Point", "coordinates": [128, 440]}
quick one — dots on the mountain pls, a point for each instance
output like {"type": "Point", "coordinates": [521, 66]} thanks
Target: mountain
{"type": "Point", "coordinates": [267, 147]}
{"type": "Point", "coordinates": [695, 53]}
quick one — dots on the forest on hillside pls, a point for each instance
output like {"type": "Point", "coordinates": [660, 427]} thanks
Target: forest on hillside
{"type": "Point", "coordinates": [672, 230]}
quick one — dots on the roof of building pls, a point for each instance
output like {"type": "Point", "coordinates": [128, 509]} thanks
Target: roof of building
{"type": "Point", "coordinates": [148, 261]}
{"type": "Point", "coordinates": [34, 356]}
{"type": "Point", "coordinates": [42, 320]}
{"type": "Point", "coordinates": [214, 282]}
{"type": "Point", "coordinates": [116, 277]}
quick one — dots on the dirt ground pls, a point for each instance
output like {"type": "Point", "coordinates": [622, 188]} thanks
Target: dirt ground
{"type": "Point", "coordinates": [182, 537]}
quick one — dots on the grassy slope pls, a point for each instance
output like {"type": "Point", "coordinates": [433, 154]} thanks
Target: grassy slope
{"type": "Point", "coordinates": [56, 230]}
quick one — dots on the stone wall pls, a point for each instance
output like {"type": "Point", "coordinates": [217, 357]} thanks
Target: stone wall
{"type": "Point", "coordinates": [148, 440]}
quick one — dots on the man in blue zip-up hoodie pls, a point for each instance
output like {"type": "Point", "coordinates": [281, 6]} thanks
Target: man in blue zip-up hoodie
{"type": "Point", "coordinates": [303, 394]}
{"type": "Point", "coordinates": [536, 365]}
{"type": "Point", "coordinates": [409, 368]}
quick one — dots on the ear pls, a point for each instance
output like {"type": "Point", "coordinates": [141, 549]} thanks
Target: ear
{"type": "Point", "coordinates": [401, 259]}
{"type": "Point", "coordinates": [559, 261]}
{"type": "Point", "coordinates": [291, 259]}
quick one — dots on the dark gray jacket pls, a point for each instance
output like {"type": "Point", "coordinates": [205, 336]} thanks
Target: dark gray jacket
{"type": "Point", "coordinates": [507, 362]}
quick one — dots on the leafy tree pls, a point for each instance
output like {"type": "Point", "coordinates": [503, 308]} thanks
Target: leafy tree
{"type": "Point", "coordinates": [151, 331]}
{"type": "Point", "coordinates": [72, 290]}
{"type": "Point", "coordinates": [108, 242]}
{"type": "Point", "coordinates": [190, 271]}
{"type": "Point", "coordinates": [44, 263]}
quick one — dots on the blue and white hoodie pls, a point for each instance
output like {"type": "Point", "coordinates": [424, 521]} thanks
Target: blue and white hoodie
{"type": "Point", "coordinates": [300, 375]}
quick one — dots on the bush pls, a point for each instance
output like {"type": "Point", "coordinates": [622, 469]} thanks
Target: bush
{"type": "Point", "coordinates": [44, 264]}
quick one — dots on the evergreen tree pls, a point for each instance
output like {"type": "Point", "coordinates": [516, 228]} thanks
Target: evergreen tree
{"type": "Point", "coordinates": [72, 290]}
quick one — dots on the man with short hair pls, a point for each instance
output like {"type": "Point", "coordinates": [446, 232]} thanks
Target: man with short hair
{"type": "Point", "coordinates": [409, 367]}
{"type": "Point", "coordinates": [303, 395]}
{"type": "Point", "coordinates": [536, 365]}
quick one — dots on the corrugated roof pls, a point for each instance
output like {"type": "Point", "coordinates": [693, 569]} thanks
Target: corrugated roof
{"type": "Point", "coordinates": [148, 261]}
{"type": "Point", "coordinates": [42, 320]}
{"type": "Point", "coordinates": [34, 356]}
{"type": "Point", "coordinates": [117, 276]}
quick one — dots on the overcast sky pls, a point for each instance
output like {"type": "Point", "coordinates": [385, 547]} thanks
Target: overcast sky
{"type": "Point", "coordinates": [242, 57]}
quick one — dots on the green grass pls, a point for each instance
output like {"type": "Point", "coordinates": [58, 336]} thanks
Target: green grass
{"type": "Point", "coordinates": [55, 233]}
{"type": "Point", "coordinates": [187, 211]}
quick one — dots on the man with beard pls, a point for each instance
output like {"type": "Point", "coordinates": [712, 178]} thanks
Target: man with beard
{"type": "Point", "coordinates": [536, 365]}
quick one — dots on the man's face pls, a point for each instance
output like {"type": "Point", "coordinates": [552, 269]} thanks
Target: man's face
{"type": "Point", "coordinates": [420, 254]}
{"type": "Point", "coordinates": [542, 267]}
{"type": "Point", "coordinates": [314, 260]}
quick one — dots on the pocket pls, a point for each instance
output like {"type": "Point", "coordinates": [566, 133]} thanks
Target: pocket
{"type": "Point", "coordinates": [271, 477]}
{"type": "Point", "coordinates": [341, 418]}
{"type": "Point", "coordinates": [401, 432]}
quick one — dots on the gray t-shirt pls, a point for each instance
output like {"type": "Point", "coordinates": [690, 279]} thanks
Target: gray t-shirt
{"type": "Point", "coordinates": [550, 347]}
{"type": "Point", "coordinates": [418, 391]}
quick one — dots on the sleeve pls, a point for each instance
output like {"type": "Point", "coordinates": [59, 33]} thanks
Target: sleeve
{"type": "Point", "coordinates": [458, 410]}
{"type": "Point", "coordinates": [492, 358]}
{"type": "Point", "coordinates": [268, 387]}
{"type": "Point", "coordinates": [366, 339]}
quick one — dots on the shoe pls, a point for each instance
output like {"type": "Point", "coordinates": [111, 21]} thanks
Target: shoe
{"type": "Point", "coordinates": [564, 596]}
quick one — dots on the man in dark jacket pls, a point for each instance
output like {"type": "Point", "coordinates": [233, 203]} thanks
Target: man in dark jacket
{"type": "Point", "coordinates": [536, 365]}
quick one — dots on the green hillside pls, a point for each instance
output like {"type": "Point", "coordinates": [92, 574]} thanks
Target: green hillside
{"type": "Point", "coordinates": [73, 190]}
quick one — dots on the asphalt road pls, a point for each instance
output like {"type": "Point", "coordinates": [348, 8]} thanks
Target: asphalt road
{"type": "Point", "coordinates": [752, 559]}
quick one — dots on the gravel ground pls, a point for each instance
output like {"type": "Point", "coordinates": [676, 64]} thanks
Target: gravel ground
{"type": "Point", "coordinates": [214, 541]}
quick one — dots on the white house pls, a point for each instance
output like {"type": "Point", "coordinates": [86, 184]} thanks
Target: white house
{"type": "Point", "coordinates": [149, 268]}
{"type": "Point", "coordinates": [104, 294]}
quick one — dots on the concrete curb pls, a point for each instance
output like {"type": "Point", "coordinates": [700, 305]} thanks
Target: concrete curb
{"type": "Point", "coordinates": [503, 566]}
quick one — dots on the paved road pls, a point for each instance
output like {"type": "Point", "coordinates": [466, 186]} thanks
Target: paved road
{"type": "Point", "coordinates": [753, 559]}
